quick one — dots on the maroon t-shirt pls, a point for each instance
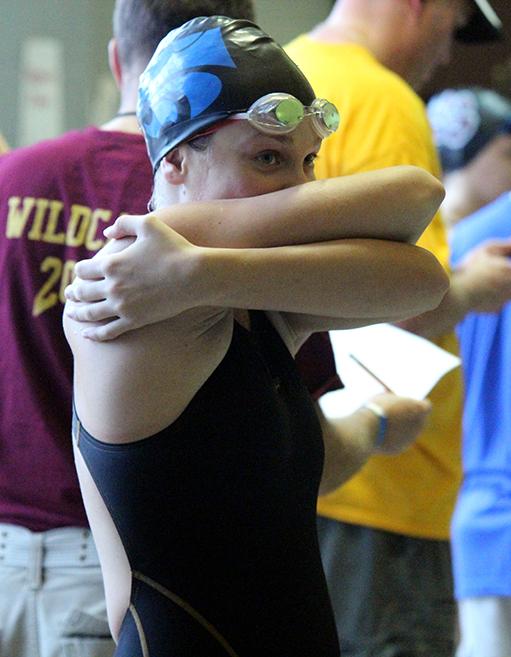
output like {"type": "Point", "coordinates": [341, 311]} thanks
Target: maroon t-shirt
{"type": "Point", "coordinates": [316, 364]}
{"type": "Point", "coordinates": [56, 198]}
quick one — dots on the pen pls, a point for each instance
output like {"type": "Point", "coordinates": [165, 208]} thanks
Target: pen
{"type": "Point", "coordinates": [366, 369]}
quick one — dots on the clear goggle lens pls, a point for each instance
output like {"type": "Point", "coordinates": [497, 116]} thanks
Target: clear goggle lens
{"type": "Point", "coordinates": [280, 113]}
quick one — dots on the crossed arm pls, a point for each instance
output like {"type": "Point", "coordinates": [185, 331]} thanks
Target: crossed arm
{"type": "Point", "coordinates": [314, 256]}
{"type": "Point", "coordinates": [331, 254]}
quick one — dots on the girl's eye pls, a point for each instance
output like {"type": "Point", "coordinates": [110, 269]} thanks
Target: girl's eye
{"type": "Point", "coordinates": [269, 158]}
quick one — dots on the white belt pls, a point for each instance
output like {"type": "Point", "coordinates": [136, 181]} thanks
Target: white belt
{"type": "Point", "coordinates": [65, 547]}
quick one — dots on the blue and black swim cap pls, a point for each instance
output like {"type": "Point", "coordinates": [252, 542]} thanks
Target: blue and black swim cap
{"type": "Point", "coordinates": [205, 71]}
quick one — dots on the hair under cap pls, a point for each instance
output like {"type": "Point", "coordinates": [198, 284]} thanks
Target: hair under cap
{"type": "Point", "coordinates": [206, 70]}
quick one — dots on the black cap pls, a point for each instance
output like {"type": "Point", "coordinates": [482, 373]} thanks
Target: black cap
{"type": "Point", "coordinates": [484, 25]}
{"type": "Point", "coordinates": [206, 70]}
{"type": "Point", "coordinates": [464, 121]}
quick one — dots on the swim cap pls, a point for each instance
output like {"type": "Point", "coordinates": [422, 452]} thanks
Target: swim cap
{"type": "Point", "coordinates": [464, 121]}
{"type": "Point", "coordinates": [206, 70]}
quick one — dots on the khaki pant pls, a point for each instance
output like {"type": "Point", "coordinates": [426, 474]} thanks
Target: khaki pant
{"type": "Point", "coordinates": [51, 595]}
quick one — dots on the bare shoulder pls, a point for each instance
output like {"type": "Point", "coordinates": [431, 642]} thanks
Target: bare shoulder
{"type": "Point", "coordinates": [136, 385]}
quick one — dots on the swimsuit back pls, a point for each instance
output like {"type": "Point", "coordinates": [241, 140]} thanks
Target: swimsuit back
{"type": "Point", "coordinates": [217, 515]}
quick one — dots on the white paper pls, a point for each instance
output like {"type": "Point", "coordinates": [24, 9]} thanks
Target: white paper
{"type": "Point", "coordinates": [408, 365]}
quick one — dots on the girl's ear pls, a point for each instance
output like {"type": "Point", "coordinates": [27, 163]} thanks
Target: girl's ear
{"type": "Point", "coordinates": [172, 167]}
{"type": "Point", "coordinates": [114, 62]}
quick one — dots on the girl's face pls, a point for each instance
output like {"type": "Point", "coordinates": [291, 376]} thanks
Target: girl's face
{"type": "Point", "coordinates": [240, 161]}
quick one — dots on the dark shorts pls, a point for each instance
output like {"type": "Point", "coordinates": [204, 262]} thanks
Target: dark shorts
{"type": "Point", "coordinates": [392, 594]}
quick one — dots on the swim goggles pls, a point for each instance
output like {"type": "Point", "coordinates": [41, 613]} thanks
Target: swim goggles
{"type": "Point", "coordinates": [280, 113]}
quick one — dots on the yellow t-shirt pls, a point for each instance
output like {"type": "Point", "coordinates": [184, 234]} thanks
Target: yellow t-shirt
{"type": "Point", "coordinates": [383, 123]}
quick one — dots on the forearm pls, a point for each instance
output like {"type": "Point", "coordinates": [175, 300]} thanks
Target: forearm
{"type": "Point", "coordinates": [314, 274]}
{"type": "Point", "coordinates": [349, 278]}
{"type": "Point", "coordinates": [394, 204]}
{"type": "Point", "coordinates": [349, 442]}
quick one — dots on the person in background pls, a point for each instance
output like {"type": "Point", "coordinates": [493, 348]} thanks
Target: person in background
{"type": "Point", "coordinates": [472, 128]}
{"type": "Point", "coordinates": [385, 534]}
{"type": "Point", "coordinates": [55, 199]}
{"type": "Point", "coordinates": [472, 132]}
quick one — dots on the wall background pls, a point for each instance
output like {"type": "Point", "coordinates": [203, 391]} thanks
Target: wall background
{"type": "Point", "coordinates": [81, 29]}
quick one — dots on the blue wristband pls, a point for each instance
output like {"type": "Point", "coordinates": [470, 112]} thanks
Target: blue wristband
{"type": "Point", "coordinates": [383, 421]}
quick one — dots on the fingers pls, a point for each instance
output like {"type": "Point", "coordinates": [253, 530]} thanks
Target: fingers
{"type": "Point", "coordinates": [406, 419]}
{"type": "Point", "coordinates": [416, 406]}
{"type": "Point", "coordinates": [89, 269]}
{"type": "Point", "coordinates": [89, 291]}
{"type": "Point", "coordinates": [501, 243]}
{"type": "Point", "coordinates": [391, 401]}
{"type": "Point", "coordinates": [498, 247]}
{"type": "Point", "coordinates": [124, 226]}
{"type": "Point", "coordinates": [108, 331]}
{"type": "Point", "coordinates": [95, 312]}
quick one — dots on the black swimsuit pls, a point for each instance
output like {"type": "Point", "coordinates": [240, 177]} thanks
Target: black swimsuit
{"type": "Point", "coordinates": [217, 515]}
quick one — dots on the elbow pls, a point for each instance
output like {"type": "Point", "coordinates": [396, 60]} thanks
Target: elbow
{"type": "Point", "coordinates": [438, 292]}
{"type": "Point", "coordinates": [426, 194]}
{"type": "Point", "coordinates": [433, 188]}
{"type": "Point", "coordinates": [436, 192]}
{"type": "Point", "coordinates": [435, 282]}
{"type": "Point", "coordinates": [424, 284]}
{"type": "Point", "coordinates": [325, 488]}
{"type": "Point", "coordinates": [430, 190]}
{"type": "Point", "coordinates": [425, 186]}
{"type": "Point", "coordinates": [332, 480]}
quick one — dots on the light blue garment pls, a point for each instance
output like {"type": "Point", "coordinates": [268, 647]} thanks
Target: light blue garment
{"type": "Point", "coordinates": [481, 527]}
